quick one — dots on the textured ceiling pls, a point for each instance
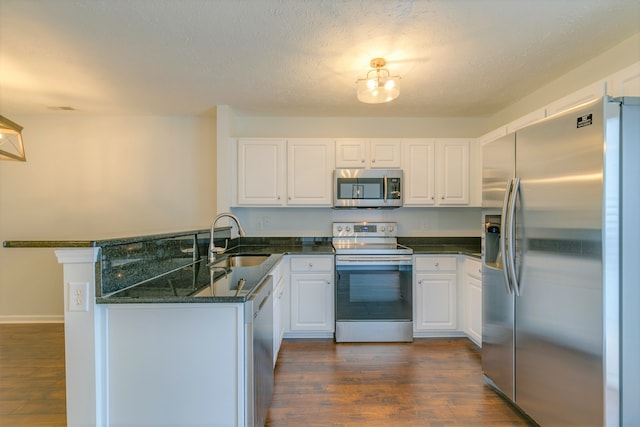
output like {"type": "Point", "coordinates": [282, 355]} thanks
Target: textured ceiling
{"type": "Point", "coordinates": [294, 57]}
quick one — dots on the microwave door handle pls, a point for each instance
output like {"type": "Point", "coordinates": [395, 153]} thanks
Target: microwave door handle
{"type": "Point", "coordinates": [384, 189]}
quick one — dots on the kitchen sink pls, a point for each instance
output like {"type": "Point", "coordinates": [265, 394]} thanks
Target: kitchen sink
{"type": "Point", "coordinates": [241, 260]}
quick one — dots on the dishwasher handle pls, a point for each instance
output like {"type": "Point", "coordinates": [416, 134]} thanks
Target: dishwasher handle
{"type": "Point", "coordinates": [258, 299]}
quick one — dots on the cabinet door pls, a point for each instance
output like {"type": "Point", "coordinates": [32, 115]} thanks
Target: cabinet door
{"type": "Point", "coordinates": [352, 153]}
{"type": "Point", "coordinates": [312, 303]}
{"type": "Point", "coordinates": [419, 172]}
{"type": "Point", "coordinates": [453, 176]}
{"type": "Point", "coordinates": [261, 172]}
{"type": "Point", "coordinates": [435, 303]}
{"type": "Point", "coordinates": [474, 309]}
{"type": "Point", "coordinates": [385, 153]}
{"type": "Point", "coordinates": [310, 165]}
{"type": "Point", "coordinates": [473, 300]}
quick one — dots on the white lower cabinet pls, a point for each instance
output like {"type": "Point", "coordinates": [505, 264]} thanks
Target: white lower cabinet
{"type": "Point", "coordinates": [473, 301]}
{"type": "Point", "coordinates": [280, 306]}
{"type": "Point", "coordinates": [163, 364]}
{"type": "Point", "coordinates": [435, 295]}
{"type": "Point", "coordinates": [312, 296]}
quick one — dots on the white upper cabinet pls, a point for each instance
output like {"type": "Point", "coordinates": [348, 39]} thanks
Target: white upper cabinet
{"type": "Point", "coordinates": [453, 172]}
{"type": "Point", "coordinates": [385, 153]}
{"type": "Point", "coordinates": [368, 153]}
{"type": "Point", "coordinates": [419, 172]}
{"type": "Point", "coordinates": [436, 173]}
{"type": "Point", "coordinates": [275, 172]}
{"type": "Point", "coordinates": [310, 164]}
{"type": "Point", "coordinates": [261, 172]}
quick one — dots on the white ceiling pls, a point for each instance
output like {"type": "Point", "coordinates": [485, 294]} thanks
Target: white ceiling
{"type": "Point", "coordinates": [294, 57]}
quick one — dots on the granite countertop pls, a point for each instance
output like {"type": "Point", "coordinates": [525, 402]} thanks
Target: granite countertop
{"type": "Point", "coordinates": [95, 243]}
{"type": "Point", "coordinates": [194, 281]}
{"type": "Point", "coordinates": [442, 245]}
{"type": "Point", "coordinates": [445, 250]}
{"type": "Point", "coordinates": [199, 282]}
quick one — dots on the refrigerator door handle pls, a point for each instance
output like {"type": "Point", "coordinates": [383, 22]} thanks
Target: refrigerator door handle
{"type": "Point", "coordinates": [511, 243]}
{"type": "Point", "coordinates": [503, 237]}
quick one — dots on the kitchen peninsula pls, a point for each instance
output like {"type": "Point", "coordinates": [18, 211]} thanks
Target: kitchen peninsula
{"type": "Point", "coordinates": [154, 334]}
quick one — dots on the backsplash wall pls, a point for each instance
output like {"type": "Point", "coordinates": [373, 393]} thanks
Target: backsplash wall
{"type": "Point", "coordinates": [310, 222]}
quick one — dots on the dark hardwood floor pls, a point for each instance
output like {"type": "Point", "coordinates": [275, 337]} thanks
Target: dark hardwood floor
{"type": "Point", "coordinates": [32, 375]}
{"type": "Point", "coordinates": [430, 382]}
{"type": "Point", "coordinates": [435, 382]}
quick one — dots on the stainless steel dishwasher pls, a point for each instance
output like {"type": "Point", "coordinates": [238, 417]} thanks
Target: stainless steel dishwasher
{"type": "Point", "coordinates": [259, 362]}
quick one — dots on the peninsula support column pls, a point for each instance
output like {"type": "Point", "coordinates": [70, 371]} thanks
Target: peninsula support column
{"type": "Point", "coordinates": [83, 331]}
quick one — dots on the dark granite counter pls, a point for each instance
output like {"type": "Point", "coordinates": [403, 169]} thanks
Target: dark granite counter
{"type": "Point", "coordinates": [173, 268]}
{"type": "Point", "coordinates": [198, 282]}
{"type": "Point", "coordinates": [97, 243]}
{"type": "Point", "coordinates": [442, 245]}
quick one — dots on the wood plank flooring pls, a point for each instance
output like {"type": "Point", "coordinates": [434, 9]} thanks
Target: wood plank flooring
{"type": "Point", "coordinates": [318, 383]}
{"type": "Point", "coordinates": [32, 375]}
{"type": "Point", "coordinates": [431, 382]}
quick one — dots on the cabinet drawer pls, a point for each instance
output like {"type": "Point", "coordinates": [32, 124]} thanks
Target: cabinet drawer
{"type": "Point", "coordinates": [311, 264]}
{"type": "Point", "coordinates": [473, 267]}
{"type": "Point", "coordinates": [435, 263]}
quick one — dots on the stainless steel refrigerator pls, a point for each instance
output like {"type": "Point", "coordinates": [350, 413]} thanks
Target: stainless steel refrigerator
{"type": "Point", "coordinates": [561, 266]}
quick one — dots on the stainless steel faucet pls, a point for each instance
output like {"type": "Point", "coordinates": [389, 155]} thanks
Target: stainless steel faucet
{"type": "Point", "coordinates": [213, 250]}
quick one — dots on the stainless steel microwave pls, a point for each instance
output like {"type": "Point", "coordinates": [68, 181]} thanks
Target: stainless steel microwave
{"type": "Point", "coordinates": [367, 188]}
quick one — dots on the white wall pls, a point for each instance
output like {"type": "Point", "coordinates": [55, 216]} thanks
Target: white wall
{"type": "Point", "coordinates": [357, 127]}
{"type": "Point", "coordinates": [305, 222]}
{"type": "Point", "coordinates": [97, 177]}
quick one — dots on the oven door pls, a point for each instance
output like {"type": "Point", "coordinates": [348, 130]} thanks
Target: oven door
{"type": "Point", "coordinates": [373, 288]}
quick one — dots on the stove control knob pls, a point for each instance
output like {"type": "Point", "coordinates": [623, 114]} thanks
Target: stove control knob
{"type": "Point", "coordinates": [390, 228]}
{"type": "Point", "coordinates": [339, 228]}
{"type": "Point", "coordinates": [348, 228]}
{"type": "Point", "coordinates": [382, 228]}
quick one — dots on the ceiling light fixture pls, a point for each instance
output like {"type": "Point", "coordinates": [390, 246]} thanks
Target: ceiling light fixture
{"type": "Point", "coordinates": [11, 147]}
{"type": "Point", "coordinates": [379, 86]}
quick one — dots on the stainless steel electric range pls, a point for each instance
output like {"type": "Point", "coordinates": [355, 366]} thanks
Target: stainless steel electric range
{"type": "Point", "coordinates": [373, 277]}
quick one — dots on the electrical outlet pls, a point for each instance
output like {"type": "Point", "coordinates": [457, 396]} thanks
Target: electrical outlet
{"type": "Point", "coordinates": [78, 296]}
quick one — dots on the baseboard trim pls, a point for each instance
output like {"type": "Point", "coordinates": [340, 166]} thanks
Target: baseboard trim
{"type": "Point", "coordinates": [32, 319]}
